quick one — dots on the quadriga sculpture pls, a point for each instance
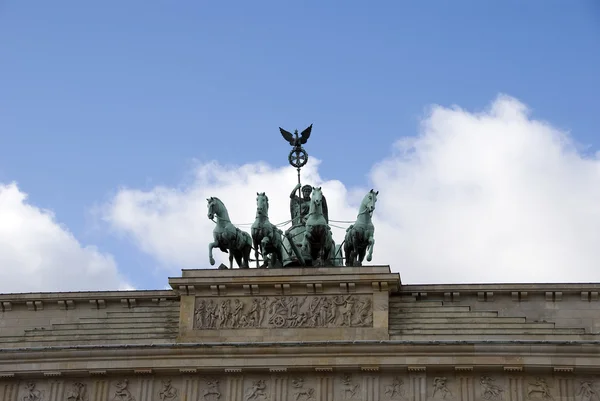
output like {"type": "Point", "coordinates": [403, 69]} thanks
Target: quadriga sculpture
{"type": "Point", "coordinates": [227, 237]}
{"type": "Point", "coordinates": [360, 235]}
{"type": "Point", "coordinates": [266, 237]}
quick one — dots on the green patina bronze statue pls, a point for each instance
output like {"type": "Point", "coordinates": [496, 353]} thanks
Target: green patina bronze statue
{"type": "Point", "coordinates": [309, 241]}
{"type": "Point", "coordinates": [359, 236]}
{"type": "Point", "coordinates": [300, 205]}
{"type": "Point", "coordinates": [227, 237]}
{"type": "Point", "coordinates": [265, 235]}
{"type": "Point", "coordinates": [318, 241]}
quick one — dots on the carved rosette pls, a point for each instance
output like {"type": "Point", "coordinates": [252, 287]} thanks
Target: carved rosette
{"type": "Point", "coordinates": [283, 312]}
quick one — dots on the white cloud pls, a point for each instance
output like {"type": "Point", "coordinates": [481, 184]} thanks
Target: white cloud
{"type": "Point", "coordinates": [494, 196]}
{"type": "Point", "coordinates": [37, 254]}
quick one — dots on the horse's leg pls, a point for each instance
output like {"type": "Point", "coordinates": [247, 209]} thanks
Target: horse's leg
{"type": "Point", "coordinates": [255, 240]}
{"type": "Point", "coordinates": [371, 244]}
{"type": "Point", "coordinates": [356, 250]}
{"type": "Point", "coordinates": [347, 250]}
{"type": "Point", "coordinates": [322, 246]}
{"type": "Point", "coordinates": [263, 247]}
{"type": "Point", "coordinates": [231, 258]}
{"type": "Point", "coordinates": [211, 246]}
{"type": "Point", "coordinates": [245, 252]}
{"type": "Point", "coordinates": [306, 245]}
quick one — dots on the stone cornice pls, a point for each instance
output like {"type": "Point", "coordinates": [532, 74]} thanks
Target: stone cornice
{"type": "Point", "coordinates": [37, 300]}
{"type": "Point", "coordinates": [209, 357]}
{"type": "Point", "coordinates": [518, 291]}
{"type": "Point", "coordinates": [257, 281]}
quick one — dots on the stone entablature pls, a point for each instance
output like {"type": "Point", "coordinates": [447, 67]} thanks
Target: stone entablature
{"type": "Point", "coordinates": [303, 334]}
{"type": "Point", "coordinates": [346, 379]}
{"type": "Point", "coordinates": [298, 304]}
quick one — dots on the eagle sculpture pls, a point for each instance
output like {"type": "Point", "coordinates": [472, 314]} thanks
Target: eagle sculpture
{"type": "Point", "coordinates": [294, 139]}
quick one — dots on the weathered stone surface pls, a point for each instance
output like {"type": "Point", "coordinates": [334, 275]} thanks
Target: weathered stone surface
{"type": "Point", "coordinates": [364, 336]}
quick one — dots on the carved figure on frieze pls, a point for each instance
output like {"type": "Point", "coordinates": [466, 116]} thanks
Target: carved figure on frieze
{"type": "Point", "coordinates": [587, 392]}
{"type": "Point", "coordinates": [236, 314]}
{"type": "Point", "coordinates": [350, 389]}
{"type": "Point", "coordinates": [302, 393]}
{"type": "Point", "coordinates": [266, 237]}
{"type": "Point", "coordinates": [224, 313]}
{"type": "Point", "coordinates": [539, 390]}
{"type": "Point", "coordinates": [212, 391]}
{"type": "Point", "coordinates": [199, 313]}
{"type": "Point", "coordinates": [77, 392]}
{"type": "Point", "coordinates": [364, 313]}
{"type": "Point", "coordinates": [32, 394]}
{"type": "Point", "coordinates": [360, 235]}
{"type": "Point", "coordinates": [440, 388]}
{"type": "Point", "coordinates": [258, 390]}
{"type": "Point", "coordinates": [395, 390]}
{"type": "Point", "coordinates": [168, 392]}
{"type": "Point", "coordinates": [489, 390]}
{"type": "Point", "coordinates": [227, 237]}
{"type": "Point", "coordinates": [122, 393]}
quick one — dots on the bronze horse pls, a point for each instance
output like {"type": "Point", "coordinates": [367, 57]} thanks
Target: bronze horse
{"type": "Point", "coordinates": [360, 235]}
{"type": "Point", "coordinates": [266, 237]}
{"type": "Point", "coordinates": [227, 237]}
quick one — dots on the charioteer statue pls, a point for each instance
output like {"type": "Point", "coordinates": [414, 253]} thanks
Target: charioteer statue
{"type": "Point", "coordinates": [309, 241]}
{"type": "Point", "coordinates": [300, 205]}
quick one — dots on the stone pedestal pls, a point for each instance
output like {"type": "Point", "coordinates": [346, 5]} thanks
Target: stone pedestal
{"type": "Point", "coordinates": [291, 304]}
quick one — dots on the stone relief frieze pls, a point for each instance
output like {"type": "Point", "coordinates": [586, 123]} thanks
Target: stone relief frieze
{"type": "Point", "coordinates": [168, 392]}
{"type": "Point", "coordinates": [302, 392]}
{"type": "Point", "coordinates": [256, 391]}
{"type": "Point", "coordinates": [284, 312]}
{"type": "Point", "coordinates": [440, 388]}
{"type": "Point", "coordinates": [32, 394]}
{"type": "Point", "coordinates": [304, 386]}
{"type": "Point", "coordinates": [539, 390]}
{"type": "Point", "coordinates": [122, 392]}
{"type": "Point", "coordinates": [212, 391]}
{"type": "Point", "coordinates": [350, 388]}
{"type": "Point", "coordinates": [77, 392]}
{"type": "Point", "coordinates": [489, 390]}
{"type": "Point", "coordinates": [587, 391]}
{"type": "Point", "coordinates": [395, 390]}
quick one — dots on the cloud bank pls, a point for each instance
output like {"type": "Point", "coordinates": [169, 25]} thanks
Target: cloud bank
{"type": "Point", "coordinates": [490, 196]}
{"type": "Point", "coordinates": [37, 254]}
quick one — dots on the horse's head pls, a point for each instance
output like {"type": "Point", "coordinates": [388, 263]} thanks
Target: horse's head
{"type": "Point", "coordinates": [262, 204]}
{"type": "Point", "coordinates": [368, 203]}
{"type": "Point", "coordinates": [213, 207]}
{"type": "Point", "coordinates": [317, 196]}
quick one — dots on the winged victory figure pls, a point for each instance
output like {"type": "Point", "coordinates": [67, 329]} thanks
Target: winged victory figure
{"type": "Point", "coordinates": [294, 139]}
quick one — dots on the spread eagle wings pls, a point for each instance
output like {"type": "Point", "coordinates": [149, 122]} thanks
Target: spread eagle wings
{"type": "Point", "coordinates": [288, 136]}
{"type": "Point", "coordinates": [305, 135]}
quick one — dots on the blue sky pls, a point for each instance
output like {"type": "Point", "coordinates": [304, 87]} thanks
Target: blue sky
{"type": "Point", "coordinates": [97, 96]}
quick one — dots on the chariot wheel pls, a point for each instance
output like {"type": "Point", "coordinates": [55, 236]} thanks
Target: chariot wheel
{"type": "Point", "coordinates": [298, 157]}
{"type": "Point", "coordinates": [278, 321]}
